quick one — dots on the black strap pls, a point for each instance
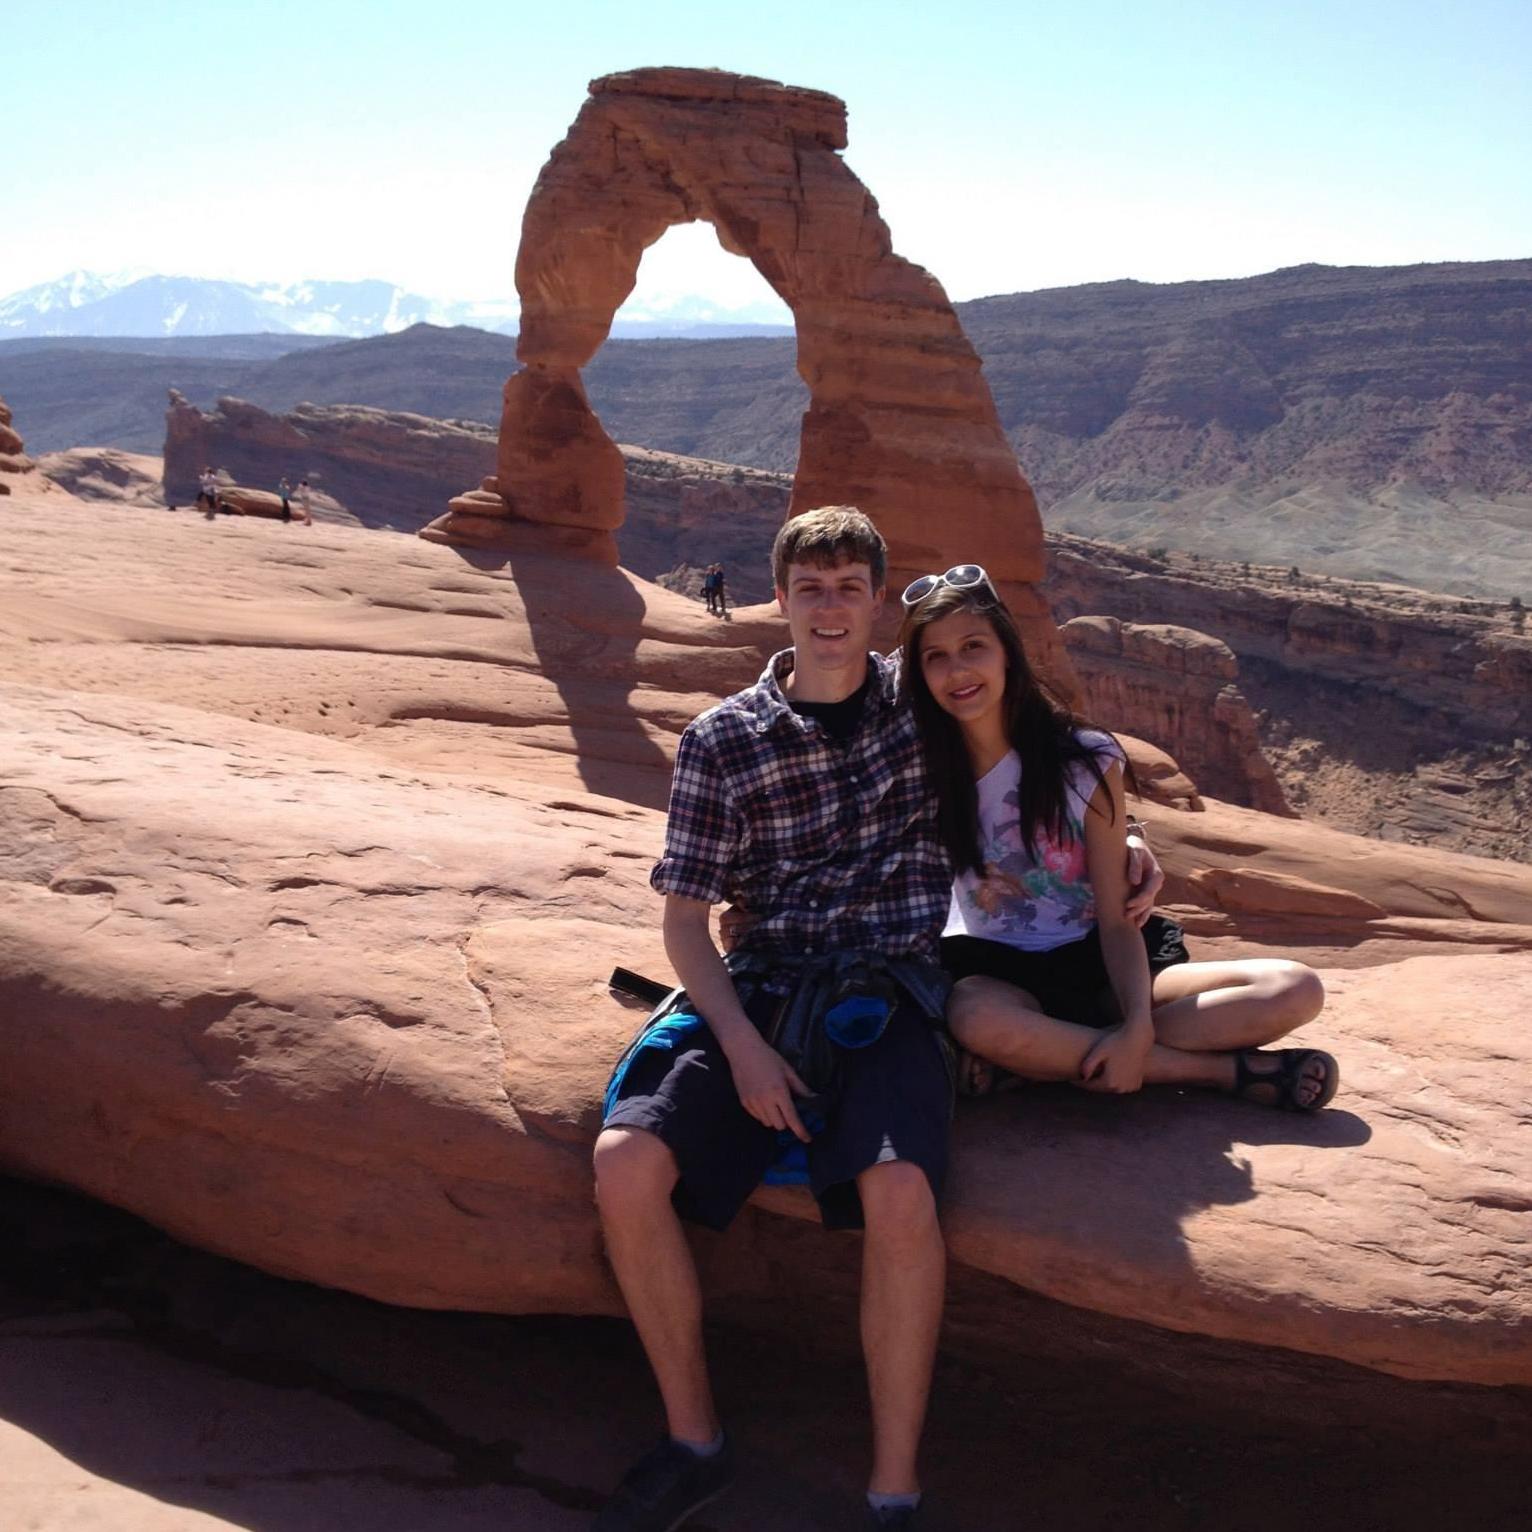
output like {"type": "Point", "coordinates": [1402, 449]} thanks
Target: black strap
{"type": "Point", "coordinates": [626, 982]}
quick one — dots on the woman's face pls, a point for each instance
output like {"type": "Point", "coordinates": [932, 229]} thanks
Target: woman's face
{"type": "Point", "coordinates": [964, 665]}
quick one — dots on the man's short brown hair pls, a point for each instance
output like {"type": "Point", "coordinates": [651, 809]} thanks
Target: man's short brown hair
{"type": "Point", "coordinates": [833, 534]}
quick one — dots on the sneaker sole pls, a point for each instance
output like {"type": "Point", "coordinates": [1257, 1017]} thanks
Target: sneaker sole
{"type": "Point", "coordinates": [686, 1515]}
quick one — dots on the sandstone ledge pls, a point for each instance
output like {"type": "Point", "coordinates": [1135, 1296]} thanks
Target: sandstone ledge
{"type": "Point", "coordinates": [388, 1079]}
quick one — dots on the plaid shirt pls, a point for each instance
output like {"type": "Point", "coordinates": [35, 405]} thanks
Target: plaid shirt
{"type": "Point", "coordinates": [834, 847]}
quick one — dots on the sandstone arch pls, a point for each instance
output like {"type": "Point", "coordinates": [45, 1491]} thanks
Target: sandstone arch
{"type": "Point", "coordinates": [900, 419]}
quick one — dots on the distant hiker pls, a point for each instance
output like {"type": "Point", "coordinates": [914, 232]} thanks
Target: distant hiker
{"type": "Point", "coordinates": [285, 490]}
{"type": "Point", "coordinates": [712, 590]}
{"type": "Point", "coordinates": [207, 492]}
{"type": "Point", "coordinates": [304, 512]}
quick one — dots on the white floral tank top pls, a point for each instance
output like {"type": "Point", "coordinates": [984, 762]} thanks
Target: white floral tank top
{"type": "Point", "coordinates": [1034, 904]}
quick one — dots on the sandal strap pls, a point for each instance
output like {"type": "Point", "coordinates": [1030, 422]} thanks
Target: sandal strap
{"type": "Point", "coordinates": [1285, 1079]}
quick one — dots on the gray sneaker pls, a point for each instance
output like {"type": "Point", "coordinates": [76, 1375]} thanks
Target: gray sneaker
{"type": "Point", "coordinates": [664, 1488]}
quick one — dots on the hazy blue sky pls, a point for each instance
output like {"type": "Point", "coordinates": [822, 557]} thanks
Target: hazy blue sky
{"type": "Point", "coordinates": [1012, 145]}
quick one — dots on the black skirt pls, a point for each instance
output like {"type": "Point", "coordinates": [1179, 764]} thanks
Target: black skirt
{"type": "Point", "coordinates": [1070, 982]}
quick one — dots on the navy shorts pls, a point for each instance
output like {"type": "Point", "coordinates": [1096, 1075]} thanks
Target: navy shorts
{"type": "Point", "coordinates": [1069, 982]}
{"type": "Point", "coordinates": [895, 1104]}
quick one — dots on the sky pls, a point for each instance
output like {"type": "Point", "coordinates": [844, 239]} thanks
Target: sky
{"type": "Point", "coordinates": [1011, 146]}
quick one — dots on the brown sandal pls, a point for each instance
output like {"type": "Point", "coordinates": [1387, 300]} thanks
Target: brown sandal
{"type": "Point", "coordinates": [979, 1077]}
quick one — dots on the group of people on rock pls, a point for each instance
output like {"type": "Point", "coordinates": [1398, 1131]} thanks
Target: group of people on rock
{"type": "Point", "coordinates": [713, 592]}
{"type": "Point", "coordinates": [210, 497]}
{"type": "Point", "coordinates": [934, 886]}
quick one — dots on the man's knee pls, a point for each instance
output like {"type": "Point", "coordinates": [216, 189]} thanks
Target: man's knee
{"type": "Point", "coordinates": [897, 1201]}
{"type": "Point", "coordinates": [633, 1168]}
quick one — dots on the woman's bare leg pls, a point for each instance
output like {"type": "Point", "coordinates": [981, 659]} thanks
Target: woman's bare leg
{"type": "Point", "coordinates": [1223, 1010]}
{"type": "Point", "coordinates": [1001, 1023]}
{"type": "Point", "coordinates": [1228, 1006]}
{"type": "Point", "coordinates": [1204, 1015]}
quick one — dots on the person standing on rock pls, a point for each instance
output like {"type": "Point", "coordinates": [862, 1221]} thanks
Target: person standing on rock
{"type": "Point", "coordinates": [804, 800]}
{"type": "Point", "coordinates": [720, 596]}
{"type": "Point", "coordinates": [207, 490]}
{"type": "Point", "coordinates": [305, 510]}
{"type": "Point", "coordinates": [285, 490]}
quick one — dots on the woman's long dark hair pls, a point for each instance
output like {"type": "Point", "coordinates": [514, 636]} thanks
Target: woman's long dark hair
{"type": "Point", "coordinates": [1039, 727]}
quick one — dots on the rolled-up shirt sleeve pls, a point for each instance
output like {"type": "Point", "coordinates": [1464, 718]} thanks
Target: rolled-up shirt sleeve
{"type": "Point", "coordinates": [702, 831]}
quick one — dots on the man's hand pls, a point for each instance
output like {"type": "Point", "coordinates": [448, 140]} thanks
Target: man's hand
{"type": "Point", "coordinates": [1145, 879]}
{"type": "Point", "coordinates": [766, 1084]}
{"type": "Point", "coordinates": [1116, 1059]}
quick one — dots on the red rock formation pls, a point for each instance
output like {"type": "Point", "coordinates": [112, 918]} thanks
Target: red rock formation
{"type": "Point", "coordinates": [900, 421]}
{"type": "Point", "coordinates": [1470, 666]}
{"type": "Point", "coordinates": [1176, 688]}
{"type": "Point", "coordinates": [13, 458]}
{"type": "Point", "coordinates": [385, 468]}
{"type": "Point", "coordinates": [310, 881]}
{"type": "Point", "coordinates": [105, 473]}
{"type": "Point", "coordinates": [392, 469]}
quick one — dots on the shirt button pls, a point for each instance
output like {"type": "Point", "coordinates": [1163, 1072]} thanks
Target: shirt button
{"type": "Point", "coordinates": [813, 904]}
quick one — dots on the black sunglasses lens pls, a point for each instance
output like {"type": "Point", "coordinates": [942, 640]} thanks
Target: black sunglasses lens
{"type": "Point", "coordinates": [918, 590]}
{"type": "Point", "coordinates": [964, 575]}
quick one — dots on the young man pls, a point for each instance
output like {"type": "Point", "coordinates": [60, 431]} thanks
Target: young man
{"type": "Point", "coordinates": [803, 800]}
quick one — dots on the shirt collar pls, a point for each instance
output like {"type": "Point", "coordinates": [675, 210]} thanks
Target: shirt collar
{"type": "Point", "coordinates": [770, 705]}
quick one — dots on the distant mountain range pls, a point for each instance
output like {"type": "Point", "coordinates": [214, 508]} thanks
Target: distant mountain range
{"type": "Point", "coordinates": [84, 303]}
{"type": "Point", "coordinates": [1367, 421]}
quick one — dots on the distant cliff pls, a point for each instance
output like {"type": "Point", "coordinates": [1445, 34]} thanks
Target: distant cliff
{"type": "Point", "coordinates": [390, 468]}
{"type": "Point", "coordinates": [1375, 422]}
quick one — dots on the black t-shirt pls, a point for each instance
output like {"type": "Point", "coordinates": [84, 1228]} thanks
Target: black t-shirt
{"type": "Point", "coordinates": [838, 719]}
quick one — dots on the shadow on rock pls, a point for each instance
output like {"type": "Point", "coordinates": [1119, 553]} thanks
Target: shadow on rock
{"type": "Point", "coordinates": [585, 620]}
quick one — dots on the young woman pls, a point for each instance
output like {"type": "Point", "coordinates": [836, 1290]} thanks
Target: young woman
{"type": "Point", "coordinates": [1055, 982]}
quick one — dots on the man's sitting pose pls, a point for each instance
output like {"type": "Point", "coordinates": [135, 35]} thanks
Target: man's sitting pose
{"type": "Point", "coordinates": [804, 800]}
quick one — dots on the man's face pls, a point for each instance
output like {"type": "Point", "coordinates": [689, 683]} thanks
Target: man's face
{"type": "Point", "coordinates": [830, 612]}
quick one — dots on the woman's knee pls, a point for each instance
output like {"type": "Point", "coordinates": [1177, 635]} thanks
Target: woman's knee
{"type": "Point", "coordinates": [978, 1007]}
{"type": "Point", "coordinates": [632, 1168]}
{"type": "Point", "coordinates": [1293, 992]}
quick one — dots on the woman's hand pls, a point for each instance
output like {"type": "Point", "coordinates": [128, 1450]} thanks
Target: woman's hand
{"type": "Point", "coordinates": [1115, 1062]}
{"type": "Point", "coordinates": [766, 1084]}
{"type": "Point", "coordinates": [735, 922]}
{"type": "Point", "coordinates": [1145, 879]}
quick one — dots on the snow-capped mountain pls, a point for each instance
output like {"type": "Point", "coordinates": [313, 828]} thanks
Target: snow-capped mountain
{"type": "Point", "coordinates": [131, 303]}
{"type": "Point", "coordinates": [83, 303]}
{"type": "Point", "coordinates": [56, 300]}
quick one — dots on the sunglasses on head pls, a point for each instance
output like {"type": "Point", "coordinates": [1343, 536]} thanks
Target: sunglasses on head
{"type": "Point", "coordinates": [959, 577]}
